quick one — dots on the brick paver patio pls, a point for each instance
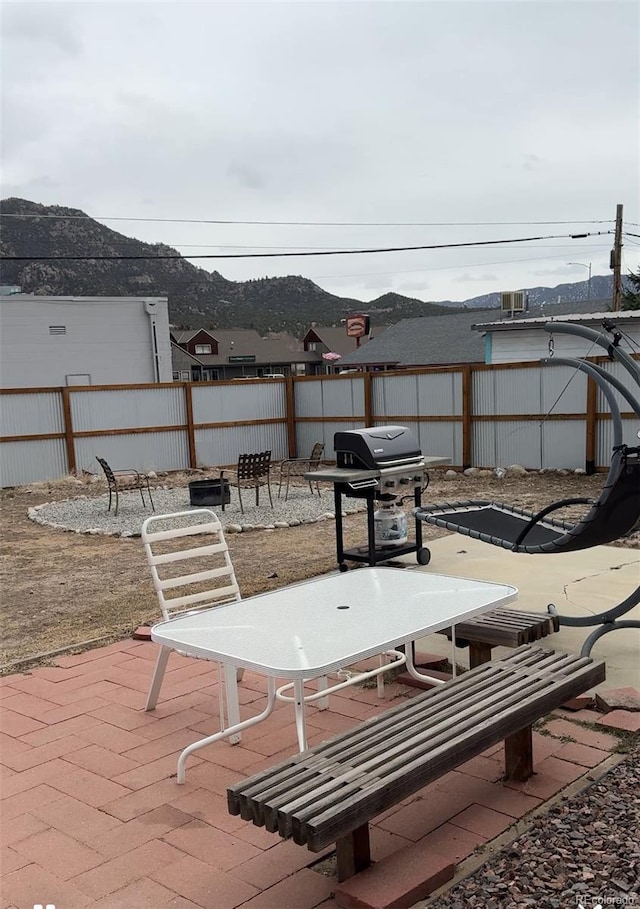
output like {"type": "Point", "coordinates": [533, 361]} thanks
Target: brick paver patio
{"type": "Point", "coordinates": [92, 815]}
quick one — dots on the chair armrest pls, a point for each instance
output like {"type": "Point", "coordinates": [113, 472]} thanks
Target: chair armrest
{"type": "Point", "coordinates": [290, 464]}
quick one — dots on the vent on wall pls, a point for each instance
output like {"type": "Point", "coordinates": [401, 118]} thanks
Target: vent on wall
{"type": "Point", "coordinates": [513, 301]}
{"type": "Point", "coordinates": [57, 329]}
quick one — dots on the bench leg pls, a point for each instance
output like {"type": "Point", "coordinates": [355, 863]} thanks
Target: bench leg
{"type": "Point", "coordinates": [479, 653]}
{"type": "Point", "coordinates": [518, 755]}
{"type": "Point", "coordinates": [353, 852]}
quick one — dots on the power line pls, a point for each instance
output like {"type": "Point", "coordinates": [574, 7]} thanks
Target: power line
{"type": "Point", "coordinates": [45, 243]}
{"type": "Point", "coordinates": [332, 252]}
{"type": "Point", "coordinates": [304, 223]}
{"type": "Point", "coordinates": [407, 271]}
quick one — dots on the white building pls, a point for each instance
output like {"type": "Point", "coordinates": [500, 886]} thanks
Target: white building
{"type": "Point", "coordinates": [53, 341]}
{"type": "Point", "coordinates": [520, 340]}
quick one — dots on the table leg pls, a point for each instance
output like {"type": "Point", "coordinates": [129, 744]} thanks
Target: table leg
{"type": "Point", "coordinates": [298, 689]}
{"type": "Point", "coordinates": [233, 703]}
{"type": "Point", "coordinates": [413, 672]}
{"type": "Point", "coordinates": [232, 730]}
{"type": "Point", "coordinates": [322, 684]}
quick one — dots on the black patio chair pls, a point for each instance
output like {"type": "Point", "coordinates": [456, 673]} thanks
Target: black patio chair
{"type": "Point", "coordinates": [251, 472]}
{"type": "Point", "coordinates": [124, 480]}
{"type": "Point", "coordinates": [614, 514]}
{"type": "Point", "coordinates": [298, 467]}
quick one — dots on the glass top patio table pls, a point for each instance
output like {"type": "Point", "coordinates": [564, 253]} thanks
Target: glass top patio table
{"type": "Point", "coordinates": [306, 630]}
{"type": "Point", "coordinates": [311, 628]}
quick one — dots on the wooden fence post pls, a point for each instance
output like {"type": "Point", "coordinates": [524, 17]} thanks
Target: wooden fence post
{"type": "Point", "coordinates": [290, 413]}
{"type": "Point", "coordinates": [68, 429]}
{"type": "Point", "coordinates": [467, 404]}
{"type": "Point", "coordinates": [191, 436]}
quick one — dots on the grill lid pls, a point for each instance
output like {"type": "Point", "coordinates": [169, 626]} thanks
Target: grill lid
{"type": "Point", "coordinates": [376, 447]}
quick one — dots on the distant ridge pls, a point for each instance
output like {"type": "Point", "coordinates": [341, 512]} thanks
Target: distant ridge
{"type": "Point", "coordinates": [198, 298]}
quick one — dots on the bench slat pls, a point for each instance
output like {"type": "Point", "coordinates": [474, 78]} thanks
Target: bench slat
{"type": "Point", "coordinates": [376, 731]}
{"type": "Point", "coordinates": [394, 756]}
{"type": "Point", "coordinates": [506, 627]}
{"type": "Point", "coordinates": [324, 829]}
{"type": "Point", "coordinates": [325, 793]}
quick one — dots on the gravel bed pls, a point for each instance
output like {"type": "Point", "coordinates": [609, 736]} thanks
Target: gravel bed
{"type": "Point", "coordinates": [88, 514]}
{"type": "Point", "coordinates": [584, 851]}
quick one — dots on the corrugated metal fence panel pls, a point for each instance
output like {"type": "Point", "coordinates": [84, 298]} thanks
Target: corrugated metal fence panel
{"type": "Point", "coordinates": [505, 391]}
{"type": "Point", "coordinates": [330, 429]}
{"type": "Point", "coordinates": [432, 394]}
{"type": "Point", "coordinates": [239, 401]}
{"type": "Point", "coordinates": [217, 447]}
{"type": "Point", "coordinates": [342, 397]}
{"type": "Point", "coordinates": [143, 451]}
{"type": "Point", "coordinates": [604, 439]}
{"type": "Point", "coordinates": [531, 443]}
{"type": "Point", "coordinates": [307, 434]}
{"type": "Point", "coordinates": [441, 439]}
{"type": "Point", "coordinates": [563, 390]}
{"type": "Point", "coordinates": [26, 462]}
{"type": "Point", "coordinates": [31, 413]}
{"type": "Point", "coordinates": [127, 408]}
{"type": "Point", "coordinates": [618, 371]}
{"type": "Point", "coordinates": [564, 444]}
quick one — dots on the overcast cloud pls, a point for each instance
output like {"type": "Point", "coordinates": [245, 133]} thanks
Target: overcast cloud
{"type": "Point", "coordinates": [390, 111]}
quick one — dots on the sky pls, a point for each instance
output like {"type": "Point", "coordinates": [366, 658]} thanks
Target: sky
{"type": "Point", "coordinates": [360, 124]}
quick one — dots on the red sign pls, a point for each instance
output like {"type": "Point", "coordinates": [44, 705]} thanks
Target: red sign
{"type": "Point", "coordinates": [357, 326]}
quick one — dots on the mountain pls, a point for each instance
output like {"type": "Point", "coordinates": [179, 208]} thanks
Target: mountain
{"type": "Point", "coordinates": [197, 298]}
{"type": "Point", "coordinates": [601, 289]}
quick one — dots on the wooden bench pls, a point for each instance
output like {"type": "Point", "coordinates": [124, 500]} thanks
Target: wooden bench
{"type": "Point", "coordinates": [330, 792]}
{"type": "Point", "coordinates": [501, 628]}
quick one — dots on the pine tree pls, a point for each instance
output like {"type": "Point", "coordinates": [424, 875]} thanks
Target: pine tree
{"type": "Point", "coordinates": [631, 296]}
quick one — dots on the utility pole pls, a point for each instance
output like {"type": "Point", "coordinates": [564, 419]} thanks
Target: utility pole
{"type": "Point", "coordinates": [616, 260]}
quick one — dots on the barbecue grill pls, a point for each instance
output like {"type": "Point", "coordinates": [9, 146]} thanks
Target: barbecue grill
{"type": "Point", "coordinates": [380, 464]}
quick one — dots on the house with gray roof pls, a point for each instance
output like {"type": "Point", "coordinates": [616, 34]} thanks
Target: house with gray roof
{"type": "Point", "coordinates": [332, 344]}
{"type": "Point", "coordinates": [525, 338]}
{"type": "Point", "coordinates": [446, 340]}
{"type": "Point", "coordinates": [204, 355]}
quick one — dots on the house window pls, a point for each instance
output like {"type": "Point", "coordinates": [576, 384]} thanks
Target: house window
{"type": "Point", "coordinates": [312, 345]}
{"type": "Point", "coordinates": [203, 348]}
{"type": "Point", "coordinates": [176, 375]}
{"type": "Point", "coordinates": [185, 375]}
{"type": "Point", "coordinates": [57, 329]}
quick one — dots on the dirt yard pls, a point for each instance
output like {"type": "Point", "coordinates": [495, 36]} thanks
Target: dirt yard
{"type": "Point", "coordinates": [60, 588]}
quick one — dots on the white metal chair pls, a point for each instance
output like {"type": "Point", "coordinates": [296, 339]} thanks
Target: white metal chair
{"type": "Point", "coordinates": [189, 580]}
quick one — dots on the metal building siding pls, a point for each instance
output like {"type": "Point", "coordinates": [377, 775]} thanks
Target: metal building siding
{"type": "Point", "coordinates": [142, 451]}
{"type": "Point", "coordinates": [31, 413]}
{"type": "Point", "coordinates": [127, 408]}
{"type": "Point", "coordinates": [237, 401]}
{"type": "Point", "coordinates": [26, 462]}
{"type": "Point", "coordinates": [218, 447]}
{"type": "Point", "coordinates": [432, 394]}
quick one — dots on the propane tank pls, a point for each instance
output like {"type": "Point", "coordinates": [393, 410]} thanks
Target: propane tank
{"type": "Point", "coordinates": [390, 526]}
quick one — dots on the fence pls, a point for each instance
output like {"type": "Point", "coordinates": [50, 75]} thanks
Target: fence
{"type": "Point", "coordinates": [473, 414]}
